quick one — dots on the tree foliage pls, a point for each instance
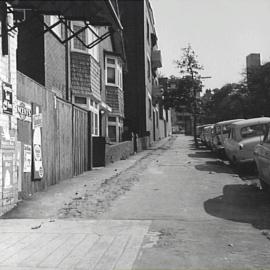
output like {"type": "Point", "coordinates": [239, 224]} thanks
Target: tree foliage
{"type": "Point", "coordinates": [228, 102]}
{"type": "Point", "coordinates": [188, 64]}
{"type": "Point", "coordinates": [183, 96]}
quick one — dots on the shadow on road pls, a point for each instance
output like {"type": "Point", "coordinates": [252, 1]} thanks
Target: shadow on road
{"type": "Point", "coordinates": [247, 171]}
{"type": "Point", "coordinates": [241, 203]}
{"type": "Point", "coordinates": [201, 154]}
{"type": "Point", "coordinates": [216, 166]}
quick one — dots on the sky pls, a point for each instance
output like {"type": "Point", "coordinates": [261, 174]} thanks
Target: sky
{"type": "Point", "coordinates": [222, 33]}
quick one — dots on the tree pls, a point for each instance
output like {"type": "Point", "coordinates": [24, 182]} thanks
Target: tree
{"type": "Point", "coordinates": [189, 67]}
{"type": "Point", "coordinates": [229, 102]}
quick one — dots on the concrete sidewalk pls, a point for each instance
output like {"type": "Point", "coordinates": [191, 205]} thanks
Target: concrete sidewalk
{"type": "Point", "coordinates": [65, 244]}
{"type": "Point", "coordinates": [47, 204]}
{"type": "Point", "coordinates": [33, 237]}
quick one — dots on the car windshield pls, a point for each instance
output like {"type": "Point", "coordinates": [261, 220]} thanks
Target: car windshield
{"type": "Point", "coordinates": [267, 135]}
{"type": "Point", "coordinates": [231, 133]}
{"type": "Point", "coordinates": [253, 131]}
{"type": "Point", "coordinates": [217, 130]}
{"type": "Point", "coordinates": [226, 129]}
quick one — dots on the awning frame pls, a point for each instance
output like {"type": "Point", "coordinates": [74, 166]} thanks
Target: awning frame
{"type": "Point", "coordinates": [61, 20]}
{"type": "Point", "coordinates": [76, 34]}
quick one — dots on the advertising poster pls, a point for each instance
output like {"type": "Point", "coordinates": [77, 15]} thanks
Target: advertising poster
{"type": "Point", "coordinates": [38, 170]}
{"type": "Point", "coordinates": [7, 170]}
{"type": "Point", "coordinates": [19, 164]}
{"type": "Point", "coordinates": [7, 98]}
{"type": "Point", "coordinates": [7, 135]}
{"type": "Point", "coordinates": [23, 111]}
{"type": "Point", "coordinates": [27, 161]}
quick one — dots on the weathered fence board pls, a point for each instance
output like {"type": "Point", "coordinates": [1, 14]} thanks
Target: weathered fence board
{"type": "Point", "coordinates": [80, 140]}
{"type": "Point", "coordinates": [65, 136]}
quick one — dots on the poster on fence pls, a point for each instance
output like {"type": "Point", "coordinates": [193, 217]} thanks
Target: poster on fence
{"type": "Point", "coordinates": [7, 98]}
{"type": "Point", "coordinates": [38, 170]}
{"type": "Point", "coordinates": [27, 161]}
{"type": "Point", "coordinates": [7, 169]}
{"type": "Point", "coordinates": [23, 111]}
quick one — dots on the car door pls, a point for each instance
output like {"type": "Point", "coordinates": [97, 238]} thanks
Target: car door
{"type": "Point", "coordinates": [230, 144]}
{"type": "Point", "coordinates": [262, 158]}
{"type": "Point", "coordinates": [253, 137]}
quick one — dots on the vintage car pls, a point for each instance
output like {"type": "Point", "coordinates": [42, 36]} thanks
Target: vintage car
{"type": "Point", "coordinates": [208, 136]}
{"type": "Point", "coordinates": [220, 133]}
{"type": "Point", "coordinates": [243, 137]}
{"type": "Point", "coordinates": [262, 159]}
{"type": "Point", "coordinates": [199, 130]}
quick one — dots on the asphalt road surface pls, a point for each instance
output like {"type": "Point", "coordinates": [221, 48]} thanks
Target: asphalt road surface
{"type": "Point", "coordinates": [176, 208]}
{"type": "Point", "coordinates": [203, 215]}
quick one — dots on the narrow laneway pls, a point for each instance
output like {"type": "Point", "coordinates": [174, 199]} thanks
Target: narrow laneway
{"type": "Point", "coordinates": [176, 207]}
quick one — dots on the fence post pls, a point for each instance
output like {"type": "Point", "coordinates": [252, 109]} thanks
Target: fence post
{"type": "Point", "coordinates": [90, 143]}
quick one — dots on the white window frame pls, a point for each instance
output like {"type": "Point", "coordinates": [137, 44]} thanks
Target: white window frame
{"type": "Point", "coordinates": [95, 111]}
{"type": "Point", "coordinates": [149, 68]}
{"type": "Point", "coordinates": [118, 71]}
{"type": "Point", "coordinates": [90, 37]}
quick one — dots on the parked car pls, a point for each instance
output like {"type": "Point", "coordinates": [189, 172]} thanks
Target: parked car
{"type": "Point", "coordinates": [204, 134]}
{"type": "Point", "coordinates": [262, 159]}
{"type": "Point", "coordinates": [199, 130]}
{"type": "Point", "coordinates": [243, 137]}
{"type": "Point", "coordinates": [221, 132]}
{"type": "Point", "coordinates": [208, 134]}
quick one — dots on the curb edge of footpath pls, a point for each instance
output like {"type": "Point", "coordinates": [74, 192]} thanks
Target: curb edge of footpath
{"type": "Point", "coordinates": [77, 184]}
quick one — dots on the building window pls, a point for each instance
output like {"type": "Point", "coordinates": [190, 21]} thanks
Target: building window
{"type": "Point", "coordinates": [80, 100]}
{"type": "Point", "coordinates": [112, 119]}
{"type": "Point", "coordinates": [87, 36]}
{"type": "Point", "coordinates": [77, 44]}
{"type": "Point", "coordinates": [113, 71]}
{"type": "Point", "coordinates": [149, 108]}
{"type": "Point", "coordinates": [147, 32]}
{"type": "Point", "coordinates": [96, 124]}
{"type": "Point", "coordinates": [111, 75]}
{"type": "Point", "coordinates": [94, 108]}
{"type": "Point", "coordinates": [112, 133]}
{"type": "Point", "coordinates": [92, 123]}
{"type": "Point", "coordinates": [148, 69]}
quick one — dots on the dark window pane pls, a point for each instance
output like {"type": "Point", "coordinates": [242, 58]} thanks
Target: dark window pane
{"type": "Point", "coordinates": [112, 119]}
{"type": "Point", "coordinates": [112, 133]}
{"type": "Point", "coordinates": [77, 43]}
{"type": "Point", "coordinates": [110, 75]}
{"type": "Point", "coordinates": [80, 100]}
{"type": "Point", "coordinates": [110, 61]}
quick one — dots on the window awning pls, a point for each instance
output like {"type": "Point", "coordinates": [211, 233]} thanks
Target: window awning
{"type": "Point", "coordinates": [97, 12]}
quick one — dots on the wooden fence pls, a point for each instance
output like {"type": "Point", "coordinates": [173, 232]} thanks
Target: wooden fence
{"type": "Point", "coordinates": [81, 140]}
{"type": "Point", "coordinates": [65, 136]}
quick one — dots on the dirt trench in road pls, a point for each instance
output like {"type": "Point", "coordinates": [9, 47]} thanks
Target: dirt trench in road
{"type": "Point", "coordinates": [91, 204]}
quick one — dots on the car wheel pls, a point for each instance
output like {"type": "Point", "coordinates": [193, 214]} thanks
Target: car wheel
{"type": "Point", "coordinates": [265, 187]}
